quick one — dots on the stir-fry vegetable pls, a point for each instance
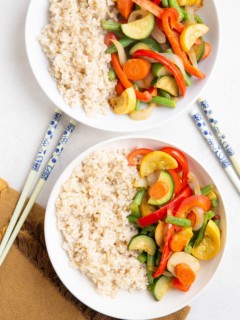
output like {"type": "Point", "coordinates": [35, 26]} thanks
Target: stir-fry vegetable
{"type": "Point", "coordinates": [156, 45]}
{"type": "Point", "coordinates": [178, 225]}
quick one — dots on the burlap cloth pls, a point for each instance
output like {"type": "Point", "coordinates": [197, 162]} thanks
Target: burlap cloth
{"type": "Point", "coordinates": [30, 288]}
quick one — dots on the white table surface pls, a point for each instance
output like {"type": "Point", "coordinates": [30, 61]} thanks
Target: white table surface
{"type": "Point", "coordinates": [25, 112]}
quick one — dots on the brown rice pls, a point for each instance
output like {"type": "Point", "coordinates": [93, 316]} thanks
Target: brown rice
{"type": "Point", "coordinates": [91, 211]}
{"type": "Point", "coordinates": [73, 42]}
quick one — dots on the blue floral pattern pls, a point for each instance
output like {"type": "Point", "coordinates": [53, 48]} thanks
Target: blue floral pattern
{"type": "Point", "coordinates": [206, 133]}
{"type": "Point", "coordinates": [214, 124]}
{"type": "Point", "coordinates": [58, 150]}
{"type": "Point", "coordinates": [46, 140]}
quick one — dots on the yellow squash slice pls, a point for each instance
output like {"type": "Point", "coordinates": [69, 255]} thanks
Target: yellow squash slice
{"type": "Point", "coordinates": [210, 244]}
{"type": "Point", "coordinates": [191, 33]}
{"type": "Point", "coordinates": [125, 103]}
{"type": "Point", "coordinates": [156, 160]}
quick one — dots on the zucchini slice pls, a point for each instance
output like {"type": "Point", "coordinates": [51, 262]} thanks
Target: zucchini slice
{"type": "Point", "coordinates": [143, 243]}
{"type": "Point", "coordinates": [199, 49]}
{"type": "Point", "coordinates": [139, 46]}
{"type": "Point", "coordinates": [168, 84]}
{"type": "Point", "coordinates": [160, 287]}
{"type": "Point", "coordinates": [165, 178]}
{"type": "Point", "coordinates": [139, 29]}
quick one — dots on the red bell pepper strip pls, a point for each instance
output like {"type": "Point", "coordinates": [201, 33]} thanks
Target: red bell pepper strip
{"type": "Point", "coordinates": [166, 252]}
{"type": "Point", "coordinates": [151, 7]}
{"type": "Point", "coordinates": [162, 212]}
{"type": "Point", "coordinates": [177, 181]}
{"type": "Point", "coordinates": [168, 64]}
{"type": "Point", "coordinates": [157, 2]}
{"type": "Point", "coordinates": [136, 153]}
{"type": "Point", "coordinates": [193, 201]}
{"type": "Point", "coordinates": [179, 27]}
{"type": "Point", "coordinates": [169, 20]}
{"type": "Point", "coordinates": [182, 161]}
{"type": "Point", "coordinates": [143, 96]}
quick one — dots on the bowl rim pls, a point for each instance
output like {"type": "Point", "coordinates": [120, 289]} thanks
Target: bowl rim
{"type": "Point", "coordinates": [101, 145]}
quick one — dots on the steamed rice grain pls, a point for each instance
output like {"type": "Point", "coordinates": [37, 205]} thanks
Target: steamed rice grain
{"type": "Point", "coordinates": [91, 211]}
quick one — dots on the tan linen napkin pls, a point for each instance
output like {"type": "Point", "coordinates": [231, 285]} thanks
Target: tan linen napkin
{"type": "Point", "coordinates": [30, 288]}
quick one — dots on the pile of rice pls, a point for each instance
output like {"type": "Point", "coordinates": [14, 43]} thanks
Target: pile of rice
{"type": "Point", "coordinates": [91, 212]}
{"type": "Point", "coordinates": [73, 42]}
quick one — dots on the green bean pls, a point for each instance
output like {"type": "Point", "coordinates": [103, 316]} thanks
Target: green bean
{"type": "Point", "coordinates": [125, 42]}
{"type": "Point", "coordinates": [143, 231]}
{"type": "Point", "coordinates": [136, 203]}
{"type": "Point", "coordinates": [188, 248]}
{"type": "Point", "coordinates": [187, 79]}
{"type": "Point", "coordinates": [142, 257]}
{"type": "Point", "coordinates": [137, 105]}
{"type": "Point", "coordinates": [164, 94]}
{"type": "Point", "coordinates": [110, 25]}
{"type": "Point", "coordinates": [174, 4]}
{"type": "Point", "coordinates": [198, 19]}
{"type": "Point", "coordinates": [151, 234]}
{"type": "Point", "coordinates": [112, 74]}
{"type": "Point", "coordinates": [164, 101]}
{"type": "Point", "coordinates": [156, 67]}
{"type": "Point", "coordinates": [205, 190]}
{"type": "Point", "coordinates": [186, 15]}
{"type": "Point", "coordinates": [207, 216]}
{"type": "Point", "coordinates": [165, 3]}
{"type": "Point", "coordinates": [158, 258]}
{"type": "Point", "coordinates": [132, 220]}
{"type": "Point", "coordinates": [149, 228]}
{"type": "Point", "coordinates": [150, 267]}
{"type": "Point", "coordinates": [169, 50]}
{"type": "Point", "coordinates": [181, 222]}
{"type": "Point", "coordinates": [215, 202]}
{"type": "Point", "coordinates": [190, 244]}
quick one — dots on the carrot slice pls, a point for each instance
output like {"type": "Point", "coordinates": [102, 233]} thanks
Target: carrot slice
{"type": "Point", "coordinates": [184, 273]}
{"type": "Point", "coordinates": [180, 286]}
{"type": "Point", "coordinates": [207, 50]}
{"type": "Point", "coordinates": [158, 190]}
{"type": "Point", "coordinates": [125, 7]}
{"type": "Point", "coordinates": [178, 242]}
{"type": "Point", "coordinates": [136, 69]}
{"type": "Point", "coordinates": [143, 96]}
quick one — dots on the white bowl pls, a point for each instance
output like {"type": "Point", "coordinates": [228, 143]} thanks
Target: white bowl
{"type": "Point", "coordinates": [135, 305]}
{"type": "Point", "coordinates": [37, 17]}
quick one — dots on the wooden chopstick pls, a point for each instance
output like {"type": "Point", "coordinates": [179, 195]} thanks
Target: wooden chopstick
{"type": "Point", "coordinates": [45, 175]}
{"type": "Point", "coordinates": [31, 177]}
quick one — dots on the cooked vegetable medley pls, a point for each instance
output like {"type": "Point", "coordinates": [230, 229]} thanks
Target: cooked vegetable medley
{"type": "Point", "coordinates": [177, 219]}
{"type": "Point", "coordinates": [155, 49]}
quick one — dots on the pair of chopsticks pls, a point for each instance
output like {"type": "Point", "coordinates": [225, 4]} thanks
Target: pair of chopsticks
{"type": "Point", "coordinates": [218, 142]}
{"type": "Point", "coordinates": [20, 216]}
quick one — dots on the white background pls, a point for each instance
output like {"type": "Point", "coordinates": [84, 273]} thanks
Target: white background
{"type": "Point", "coordinates": [25, 112]}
